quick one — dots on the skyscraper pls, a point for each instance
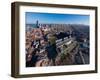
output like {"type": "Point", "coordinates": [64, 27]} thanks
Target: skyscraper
{"type": "Point", "coordinates": [37, 24]}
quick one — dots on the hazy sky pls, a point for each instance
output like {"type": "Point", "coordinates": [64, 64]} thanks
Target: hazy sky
{"type": "Point", "coordinates": [53, 18]}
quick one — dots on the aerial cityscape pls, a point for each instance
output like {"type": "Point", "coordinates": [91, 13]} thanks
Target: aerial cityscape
{"type": "Point", "coordinates": [56, 39]}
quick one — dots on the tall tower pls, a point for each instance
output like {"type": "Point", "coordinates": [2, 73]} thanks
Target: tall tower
{"type": "Point", "coordinates": [37, 24]}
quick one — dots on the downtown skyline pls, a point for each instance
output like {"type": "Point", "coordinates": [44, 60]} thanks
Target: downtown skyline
{"type": "Point", "coordinates": [55, 18]}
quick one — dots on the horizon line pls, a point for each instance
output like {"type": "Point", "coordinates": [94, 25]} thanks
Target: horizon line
{"type": "Point", "coordinates": [60, 23]}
